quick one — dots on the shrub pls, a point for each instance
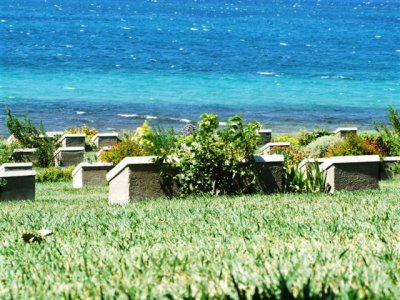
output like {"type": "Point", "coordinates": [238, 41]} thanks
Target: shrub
{"type": "Point", "coordinates": [54, 174]}
{"type": "Point", "coordinates": [211, 160]}
{"type": "Point", "coordinates": [5, 152]}
{"type": "Point", "coordinates": [85, 129]}
{"type": "Point", "coordinates": [353, 145]}
{"type": "Point", "coordinates": [321, 146]}
{"type": "Point", "coordinates": [292, 139]}
{"type": "Point", "coordinates": [394, 169]}
{"type": "Point", "coordinates": [30, 136]}
{"type": "Point", "coordinates": [162, 140]}
{"type": "Point", "coordinates": [391, 135]}
{"type": "Point", "coordinates": [120, 150]}
{"type": "Point", "coordinates": [292, 155]}
{"type": "Point", "coordinates": [307, 137]}
{"type": "Point", "coordinates": [310, 181]}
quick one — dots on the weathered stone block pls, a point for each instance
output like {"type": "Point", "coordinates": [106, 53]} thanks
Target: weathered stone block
{"type": "Point", "coordinates": [351, 173]}
{"type": "Point", "coordinates": [343, 132]}
{"type": "Point", "coordinates": [270, 172]}
{"type": "Point", "coordinates": [25, 155]}
{"type": "Point", "coordinates": [72, 140]}
{"type": "Point", "coordinates": [69, 156]}
{"type": "Point", "coordinates": [266, 149]}
{"type": "Point", "coordinates": [105, 139]}
{"type": "Point", "coordinates": [18, 185]}
{"type": "Point", "coordinates": [136, 178]}
{"type": "Point", "coordinates": [385, 165]}
{"type": "Point", "coordinates": [266, 136]}
{"type": "Point", "coordinates": [9, 167]}
{"type": "Point", "coordinates": [90, 174]}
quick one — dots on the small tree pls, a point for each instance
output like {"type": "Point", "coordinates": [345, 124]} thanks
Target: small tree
{"type": "Point", "coordinates": [214, 160]}
{"type": "Point", "coordinates": [30, 136]}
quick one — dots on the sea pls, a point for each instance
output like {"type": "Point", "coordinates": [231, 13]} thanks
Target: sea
{"type": "Point", "coordinates": [111, 64]}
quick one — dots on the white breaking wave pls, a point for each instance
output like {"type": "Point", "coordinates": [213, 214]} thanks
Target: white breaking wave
{"type": "Point", "coordinates": [268, 73]}
{"type": "Point", "coordinates": [80, 112]}
{"type": "Point", "coordinates": [150, 117]}
{"type": "Point", "coordinates": [128, 115]}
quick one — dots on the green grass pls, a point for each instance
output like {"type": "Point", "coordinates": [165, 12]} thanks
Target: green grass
{"type": "Point", "coordinates": [345, 245]}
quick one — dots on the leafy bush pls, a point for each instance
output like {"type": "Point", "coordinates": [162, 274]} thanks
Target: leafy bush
{"type": "Point", "coordinates": [307, 137]}
{"type": "Point", "coordinates": [85, 129]}
{"type": "Point", "coordinates": [391, 135]}
{"type": "Point", "coordinates": [321, 146]}
{"type": "Point", "coordinates": [162, 140]}
{"type": "Point", "coordinates": [5, 152]}
{"type": "Point", "coordinates": [293, 155]}
{"type": "Point", "coordinates": [310, 181]}
{"type": "Point", "coordinates": [293, 139]}
{"type": "Point", "coordinates": [30, 136]}
{"type": "Point", "coordinates": [394, 169]}
{"type": "Point", "coordinates": [211, 160]}
{"type": "Point", "coordinates": [54, 174]}
{"type": "Point", "coordinates": [120, 150]}
{"type": "Point", "coordinates": [353, 145]}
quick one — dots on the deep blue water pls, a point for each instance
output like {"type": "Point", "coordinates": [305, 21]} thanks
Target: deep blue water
{"type": "Point", "coordinates": [111, 64]}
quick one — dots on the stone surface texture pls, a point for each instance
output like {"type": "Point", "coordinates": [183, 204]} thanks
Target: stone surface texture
{"type": "Point", "coordinates": [90, 174]}
{"type": "Point", "coordinates": [136, 178]}
{"type": "Point", "coordinates": [72, 140]}
{"type": "Point", "coordinates": [9, 167]}
{"type": "Point", "coordinates": [266, 136]}
{"type": "Point", "coordinates": [343, 132]}
{"type": "Point", "coordinates": [19, 185]}
{"type": "Point", "coordinates": [351, 173]}
{"type": "Point", "coordinates": [105, 139]}
{"type": "Point", "coordinates": [70, 156]}
{"type": "Point", "coordinates": [270, 172]}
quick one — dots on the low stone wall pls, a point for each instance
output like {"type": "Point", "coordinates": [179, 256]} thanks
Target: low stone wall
{"type": "Point", "coordinates": [105, 139]}
{"type": "Point", "coordinates": [90, 174]}
{"type": "Point", "coordinates": [344, 131]}
{"type": "Point", "coordinates": [351, 173]}
{"type": "Point", "coordinates": [18, 185]}
{"type": "Point", "coordinates": [24, 155]}
{"type": "Point", "coordinates": [69, 156]}
{"type": "Point", "coordinates": [72, 140]}
{"type": "Point", "coordinates": [270, 172]}
{"type": "Point", "coordinates": [136, 178]}
{"type": "Point", "coordinates": [9, 167]}
{"type": "Point", "coordinates": [266, 136]}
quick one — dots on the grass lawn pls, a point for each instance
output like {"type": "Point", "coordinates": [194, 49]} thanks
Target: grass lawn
{"type": "Point", "coordinates": [345, 245]}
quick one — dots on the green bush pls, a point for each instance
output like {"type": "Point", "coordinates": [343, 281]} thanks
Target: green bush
{"type": "Point", "coordinates": [307, 137]}
{"type": "Point", "coordinates": [120, 150]}
{"type": "Point", "coordinates": [162, 140]}
{"type": "Point", "coordinates": [54, 174]}
{"type": "Point", "coordinates": [310, 181]}
{"type": "Point", "coordinates": [211, 160]}
{"type": "Point", "coordinates": [30, 136]}
{"type": "Point", "coordinates": [353, 145]}
{"type": "Point", "coordinates": [391, 134]}
{"type": "Point", "coordinates": [321, 146]}
{"type": "Point", "coordinates": [5, 153]}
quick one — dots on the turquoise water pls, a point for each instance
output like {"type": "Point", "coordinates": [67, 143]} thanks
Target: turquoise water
{"type": "Point", "coordinates": [289, 64]}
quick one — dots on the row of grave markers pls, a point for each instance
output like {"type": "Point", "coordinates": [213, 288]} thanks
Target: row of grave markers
{"type": "Point", "coordinates": [72, 148]}
{"type": "Point", "coordinates": [137, 178]}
